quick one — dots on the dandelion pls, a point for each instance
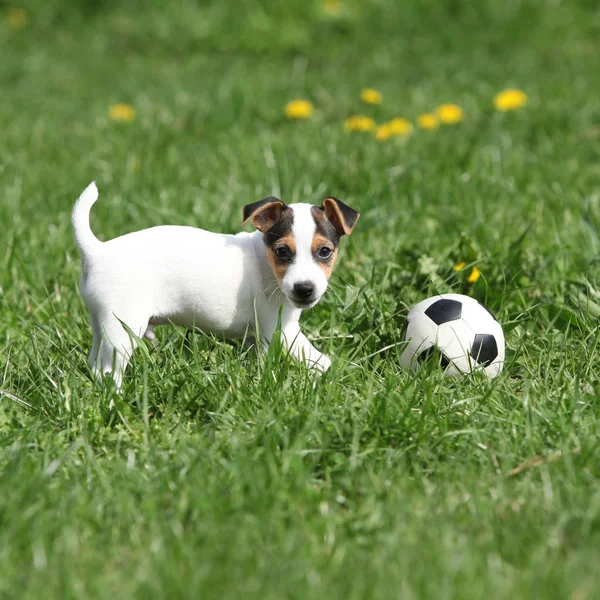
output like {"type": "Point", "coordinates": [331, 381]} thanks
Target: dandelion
{"type": "Point", "coordinates": [474, 276]}
{"type": "Point", "coordinates": [510, 99]}
{"type": "Point", "coordinates": [427, 121]}
{"type": "Point", "coordinates": [460, 266]}
{"type": "Point", "coordinates": [18, 18]}
{"type": "Point", "coordinates": [122, 112]}
{"type": "Point", "coordinates": [299, 109]}
{"type": "Point", "coordinates": [400, 126]}
{"type": "Point", "coordinates": [359, 123]}
{"type": "Point", "coordinates": [371, 96]}
{"type": "Point", "coordinates": [332, 7]}
{"type": "Point", "coordinates": [383, 132]}
{"type": "Point", "coordinates": [449, 113]}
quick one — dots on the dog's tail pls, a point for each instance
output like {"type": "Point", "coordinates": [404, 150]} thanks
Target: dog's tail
{"type": "Point", "coordinates": [86, 241]}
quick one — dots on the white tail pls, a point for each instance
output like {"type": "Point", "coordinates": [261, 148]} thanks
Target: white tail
{"type": "Point", "coordinates": [84, 237]}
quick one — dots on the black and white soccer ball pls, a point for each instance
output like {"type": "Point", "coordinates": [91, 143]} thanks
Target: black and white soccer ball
{"type": "Point", "coordinates": [462, 333]}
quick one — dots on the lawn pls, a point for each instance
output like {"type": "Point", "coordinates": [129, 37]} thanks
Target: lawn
{"type": "Point", "coordinates": [221, 474]}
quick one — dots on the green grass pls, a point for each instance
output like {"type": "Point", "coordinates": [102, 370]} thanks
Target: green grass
{"type": "Point", "coordinates": [220, 474]}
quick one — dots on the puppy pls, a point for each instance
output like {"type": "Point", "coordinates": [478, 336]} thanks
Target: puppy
{"type": "Point", "coordinates": [228, 285]}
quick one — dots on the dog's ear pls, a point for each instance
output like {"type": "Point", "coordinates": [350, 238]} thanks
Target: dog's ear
{"type": "Point", "coordinates": [263, 213]}
{"type": "Point", "coordinates": [342, 217]}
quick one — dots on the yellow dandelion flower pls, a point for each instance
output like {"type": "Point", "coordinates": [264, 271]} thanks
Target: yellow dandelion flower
{"type": "Point", "coordinates": [18, 18]}
{"type": "Point", "coordinates": [299, 109]}
{"type": "Point", "coordinates": [122, 112]}
{"type": "Point", "coordinates": [371, 96]}
{"type": "Point", "coordinates": [359, 123]}
{"type": "Point", "coordinates": [383, 132]}
{"type": "Point", "coordinates": [460, 266]}
{"type": "Point", "coordinates": [400, 126]}
{"type": "Point", "coordinates": [474, 276]}
{"type": "Point", "coordinates": [332, 7]}
{"type": "Point", "coordinates": [510, 99]}
{"type": "Point", "coordinates": [427, 121]}
{"type": "Point", "coordinates": [449, 113]}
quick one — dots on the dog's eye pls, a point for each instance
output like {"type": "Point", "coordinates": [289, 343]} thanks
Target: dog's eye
{"type": "Point", "coordinates": [325, 252]}
{"type": "Point", "coordinates": [282, 252]}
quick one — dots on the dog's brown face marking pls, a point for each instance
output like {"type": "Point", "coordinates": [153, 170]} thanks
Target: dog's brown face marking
{"type": "Point", "coordinates": [281, 255]}
{"type": "Point", "coordinates": [281, 244]}
{"type": "Point", "coordinates": [325, 242]}
{"type": "Point", "coordinates": [324, 253]}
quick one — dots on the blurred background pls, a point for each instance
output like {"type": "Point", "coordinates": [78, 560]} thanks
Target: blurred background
{"type": "Point", "coordinates": [198, 73]}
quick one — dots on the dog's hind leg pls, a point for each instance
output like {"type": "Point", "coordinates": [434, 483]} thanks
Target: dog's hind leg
{"type": "Point", "coordinates": [96, 341]}
{"type": "Point", "coordinates": [117, 345]}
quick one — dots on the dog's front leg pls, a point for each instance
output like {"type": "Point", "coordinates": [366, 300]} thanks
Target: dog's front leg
{"type": "Point", "coordinates": [293, 340]}
{"type": "Point", "coordinates": [302, 350]}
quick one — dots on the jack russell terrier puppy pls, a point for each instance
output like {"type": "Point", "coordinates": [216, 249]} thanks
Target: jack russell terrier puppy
{"type": "Point", "coordinates": [227, 285]}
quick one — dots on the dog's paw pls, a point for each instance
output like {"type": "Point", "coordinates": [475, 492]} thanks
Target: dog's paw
{"type": "Point", "coordinates": [321, 364]}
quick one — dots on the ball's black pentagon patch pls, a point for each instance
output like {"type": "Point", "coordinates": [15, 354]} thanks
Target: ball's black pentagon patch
{"type": "Point", "coordinates": [404, 329]}
{"type": "Point", "coordinates": [444, 310]}
{"type": "Point", "coordinates": [484, 349]}
{"type": "Point", "coordinates": [434, 354]}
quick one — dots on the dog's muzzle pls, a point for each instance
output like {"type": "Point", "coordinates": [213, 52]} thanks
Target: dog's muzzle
{"type": "Point", "coordinates": [304, 294]}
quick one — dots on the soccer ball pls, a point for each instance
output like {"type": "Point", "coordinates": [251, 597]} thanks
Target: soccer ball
{"type": "Point", "coordinates": [461, 332]}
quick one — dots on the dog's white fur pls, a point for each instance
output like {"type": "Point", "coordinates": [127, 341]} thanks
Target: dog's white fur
{"type": "Point", "coordinates": [214, 282]}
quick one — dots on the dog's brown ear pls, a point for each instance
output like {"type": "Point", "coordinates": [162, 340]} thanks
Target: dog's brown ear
{"type": "Point", "coordinates": [263, 213]}
{"type": "Point", "coordinates": [342, 217]}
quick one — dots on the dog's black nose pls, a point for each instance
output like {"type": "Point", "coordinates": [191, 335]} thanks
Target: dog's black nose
{"type": "Point", "coordinates": [303, 290]}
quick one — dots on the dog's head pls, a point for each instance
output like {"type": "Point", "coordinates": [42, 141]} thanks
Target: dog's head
{"type": "Point", "coordinates": [302, 243]}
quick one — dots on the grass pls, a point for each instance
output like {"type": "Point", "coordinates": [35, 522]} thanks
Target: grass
{"type": "Point", "coordinates": [219, 474]}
